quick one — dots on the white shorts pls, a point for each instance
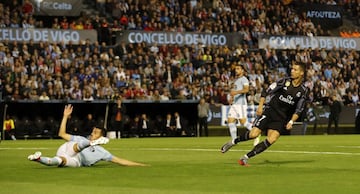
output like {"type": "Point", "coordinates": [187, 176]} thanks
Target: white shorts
{"type": "Point", "coordinates": [238, 111]}
{"type": "Point", "coordinates": [66, 150]}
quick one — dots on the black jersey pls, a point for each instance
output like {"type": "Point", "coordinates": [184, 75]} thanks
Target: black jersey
{"type": "Point", "coordinates": [285, 99]}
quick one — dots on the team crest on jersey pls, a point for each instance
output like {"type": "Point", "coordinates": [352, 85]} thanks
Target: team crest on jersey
{"type": "Point", "coordinates": [287, 83]}
{"type": "Point", "coordinates": [298, 94]}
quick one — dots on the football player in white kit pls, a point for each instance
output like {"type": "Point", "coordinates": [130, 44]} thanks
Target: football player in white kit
{"type": "Point", "coordinates": [79, 151]}
{"type": "Point", "coordinates": [238, 103]}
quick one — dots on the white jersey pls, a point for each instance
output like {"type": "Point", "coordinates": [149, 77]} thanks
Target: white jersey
{"type": "Point", "coordinates": [238, 108]}
{"type": "Point", "coordinates": [239, 85]}
{"type": "Point", "coordinates": [87, 157]}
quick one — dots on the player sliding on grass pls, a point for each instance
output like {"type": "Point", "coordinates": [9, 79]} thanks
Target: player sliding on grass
{"type": "Point", "coordinates": [79, 151]}
{"type": "Point", "coordinates": [285, 103]}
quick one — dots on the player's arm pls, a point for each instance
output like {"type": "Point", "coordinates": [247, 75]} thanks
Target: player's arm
{"type": "Point", "coordinates": [124, 162]}
{"type": "Point", "coordinates": [62, 131]}
{"type": "Point", "coordinates": [262, 100]}
{"type": "Point", "coordinates": [294, 117]}
{"type": "Point", "coordinates": [300, 106]}
{"type": "Point", "coordinates": [274, 87]}
{"type": "Point", "coordinates": [242, 91]}
{"type": "Point", "coordinates": [260, 108]}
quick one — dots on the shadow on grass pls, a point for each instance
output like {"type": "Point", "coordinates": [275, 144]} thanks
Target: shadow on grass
{"type": "Point", "coordinates": [102, 165]}
{"type": "Point", "coordinates": [266, 162]}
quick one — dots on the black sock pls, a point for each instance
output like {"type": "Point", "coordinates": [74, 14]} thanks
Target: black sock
{"type": "Point", "coordinates": [259, 148]}
{"type": "Point", "coordinates": [243, 137]}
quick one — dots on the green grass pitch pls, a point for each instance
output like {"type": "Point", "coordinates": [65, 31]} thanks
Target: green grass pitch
{"type": "Point", "coordinates": [295, 164]}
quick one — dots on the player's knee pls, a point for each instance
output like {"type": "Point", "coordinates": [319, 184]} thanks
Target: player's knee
{"type": "Point", "coordinates": [255, 132]}
{"type": "Point", "coordinates": [63, 161]}
{"type": "Point", "coordinates": [231, 120]}
{"type": "Point", "coordinates": [242, 121]}
{"type": "Point", "coordinates": [76, 148]}
{"type": "Point", "coordinates": [272, 138]}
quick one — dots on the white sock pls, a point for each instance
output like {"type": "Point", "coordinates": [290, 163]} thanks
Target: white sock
{"type": "Point", "coordinates": [233, 130]}
{"type": "Point", "coordinates": [55, 161]}
{"type": "Point", "coordinates": [248, 125]}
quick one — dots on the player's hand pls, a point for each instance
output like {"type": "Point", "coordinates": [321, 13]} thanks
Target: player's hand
{"type": "Point", "coordinates": [259, 111]}
{"type": "Point", "coordinates": [68, 110]}
{"type": "Point", "coordinates": [289, 125]}
{"type": "Point", "coordinates": [234, 92]}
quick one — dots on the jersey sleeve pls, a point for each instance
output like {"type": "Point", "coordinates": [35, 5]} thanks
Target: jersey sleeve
{"type": "Point", "coordinates": [77, 138]}
{"type": "Point", "coordinates": [300, 106]}
{"type": "Point", "coordinates": [245, 81]}
{"type": "Point", "coordinates": [106, 155]}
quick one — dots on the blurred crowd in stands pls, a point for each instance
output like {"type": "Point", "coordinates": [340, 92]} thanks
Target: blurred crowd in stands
{"type": "Point", "coordinates": [103, 69]}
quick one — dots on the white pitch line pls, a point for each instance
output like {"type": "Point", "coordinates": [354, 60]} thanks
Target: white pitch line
{"type": "Point", "coordinates": [274, 151]}
{"type": "Point", "coordinates": [21, 148]}
{"type": "Point", "coordinates": [201, 150]}
{"type": "Point", "coordinates": [348, 147]}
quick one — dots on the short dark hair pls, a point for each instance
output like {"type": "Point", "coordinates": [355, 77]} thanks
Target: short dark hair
{"type": "Point", "coordinates": [301, 65]}
{"type": "Point", "coordinates": [103, 130]}
{"type": "Point", "coordinates": [241, 65]}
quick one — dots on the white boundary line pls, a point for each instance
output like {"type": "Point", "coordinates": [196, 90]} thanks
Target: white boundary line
{"type": "Point", "coordinates": [271, 151]}
{"type": "Point", "coordinates": [199, 150]}
{"type": "Point", "coordinates": [27, 148]}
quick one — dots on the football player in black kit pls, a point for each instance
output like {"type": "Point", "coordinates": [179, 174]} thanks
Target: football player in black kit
{"type": "Point", "coordinates": [285, 101]}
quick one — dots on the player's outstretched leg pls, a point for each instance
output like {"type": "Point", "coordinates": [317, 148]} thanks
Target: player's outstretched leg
{"type": "Point", "coordinates": [249, 127]}
{"type": "Point", "coordinates": [257, 140]}
{"type": "Point", "coordinates": [55, 161]}
{"type": "Point", "coordinates": [259, 148]}
{"type": "Point", "coordinates": [226, 147]}
{"type": "Point", "coordinates": [243, 137]}
{"type": "Point", "coordinates": [243, 161]}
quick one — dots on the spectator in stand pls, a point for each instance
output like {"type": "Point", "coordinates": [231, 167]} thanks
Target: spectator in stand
{"type": "Point", "coordinates": [44, 96]}
{"type": "Point", "coordinates": [101, 5]}
{"type": "Point", "coordinates": [88, 25]}
{"type": "Point", "coordinates": [27, 8]}
{"type": "Point", "coordinates": [64, 23]}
